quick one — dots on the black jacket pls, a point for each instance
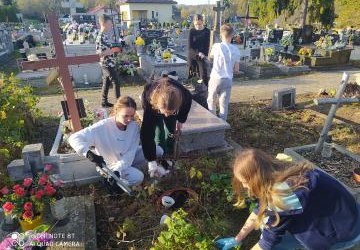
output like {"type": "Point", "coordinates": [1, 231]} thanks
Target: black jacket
{"type": "Point", "coordinates": [147, 132]}
{"type": "Point", "coordinates": [199, 41]}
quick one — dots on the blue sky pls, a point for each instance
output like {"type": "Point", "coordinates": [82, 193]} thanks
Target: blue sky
{"type": "Point", "coordinates": [193, 2]}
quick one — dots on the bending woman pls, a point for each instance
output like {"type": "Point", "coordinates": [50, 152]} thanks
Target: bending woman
{"type": "Point", "coordinates": [166, 105]}
{"type": "Point", "coordinates": [116, 141]}
{"type": "Point", "coordinates": [299, 207]}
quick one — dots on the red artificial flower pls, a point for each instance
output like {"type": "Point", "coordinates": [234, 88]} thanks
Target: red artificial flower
{"type": "Point", "coordinates": [48, 167]}
{"type": "Point", "coordinates": [4, 190]}
{"type": "Point", "coordinates": [27, 182]}
{"type": "Point", "coordinates": [28, 206]}
{"type": "Point", "coordinates": [8, 207]}
{"type": "Point", "coordinates": [43, 180]}
{"type": "Point", "coordinates": [27, 215]}
{"type": "Point", "coordinates": [39, 194]}
{"type": "Point", "coordinates": [17, 186]}
{"type": "Point", "coordinates": [20, 192]}
{"type": "Point", "coordinates": [49, 190]}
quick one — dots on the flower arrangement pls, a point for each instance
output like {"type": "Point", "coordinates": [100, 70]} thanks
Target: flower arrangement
{"type": "Point", "coordinates": [286, 41]}
{"type": "Point", "coordinates": [269, 52]}
{"type": "Point", "coordinates": [324, 43]}
{"type": "Point", "coordinates": [25, 201]}
{"type": "Point", "coordinates": [305, 51]}
{"type": "Point", "coordinates": [291, 63]}
{"type": "Point", "coordinates": [166, 55]}
{"type": "Point", "coordinates": [139, 41]}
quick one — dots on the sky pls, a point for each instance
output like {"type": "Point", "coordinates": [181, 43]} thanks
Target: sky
{"type": "Point", "coordinates": [193, 2]}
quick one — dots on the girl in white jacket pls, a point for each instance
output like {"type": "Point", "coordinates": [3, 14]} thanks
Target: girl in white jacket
{"type": "Point", "coordinates": [116, 142]}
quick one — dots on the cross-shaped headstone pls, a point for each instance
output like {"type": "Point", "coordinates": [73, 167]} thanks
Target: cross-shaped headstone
{"type": "Point", "coordinates": [218, 10]}
{"type": "Point", "coordinates": [335, 104]}
{"type": "Point", "coordinates": [62, 62]}
{"type": "Point", "coordinates": [247, 22]}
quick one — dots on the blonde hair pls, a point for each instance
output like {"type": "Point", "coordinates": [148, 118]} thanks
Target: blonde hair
{"type": "Point", "coordinates": [227, 30]}
{"type": "Point", "coordinates": [165, 95]}
{"type": "Point", "coordinates": [261, 172]}
{"type": "Point", "coordinates": [123, 102]}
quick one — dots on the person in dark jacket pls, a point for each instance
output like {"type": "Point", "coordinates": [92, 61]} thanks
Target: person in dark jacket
{"type": "Point", "coordinates": [166, 105]}
{"type": "Point", "coordinates": [299, 207]}
{"type": "Point", "coordinates": [198, 47]}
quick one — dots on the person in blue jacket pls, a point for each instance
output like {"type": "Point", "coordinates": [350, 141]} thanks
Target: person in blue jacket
{"type": "Point", "coordinates": [299, 207]}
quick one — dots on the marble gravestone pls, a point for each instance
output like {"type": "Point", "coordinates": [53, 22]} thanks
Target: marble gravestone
{"type": "Point", "coordinates": [202, 131]}
{"type": "Point", "coordinates": [150, 66]}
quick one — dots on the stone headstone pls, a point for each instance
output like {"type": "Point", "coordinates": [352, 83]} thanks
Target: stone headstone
{"type": "Point", "coordinates": [202, 130]}
{"type": "Point", "coordinates": [150, 35]}
{"type": "Point", "coordinates": [283, 98]}
{"type": "Point", "coordinates": [33, 156]}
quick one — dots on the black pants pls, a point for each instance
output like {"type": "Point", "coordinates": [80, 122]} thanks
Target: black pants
{"type": "Point", "coordinates": [198, 65]}
{"type": "Point", "coordinates": [109, 75]}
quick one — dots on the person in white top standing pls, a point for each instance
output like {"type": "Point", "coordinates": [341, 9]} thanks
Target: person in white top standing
{"type": "Point", "coordinates": [226, 59]}
{"type": "Point", "coordinates": [116, 142]}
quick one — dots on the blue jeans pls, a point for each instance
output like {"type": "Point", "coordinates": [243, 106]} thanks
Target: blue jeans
{"type": "Point", "coordinates": [289, 242]}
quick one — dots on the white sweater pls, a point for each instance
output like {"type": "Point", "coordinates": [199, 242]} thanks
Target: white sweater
{"type": "Point", "coordinates": [116, 146]}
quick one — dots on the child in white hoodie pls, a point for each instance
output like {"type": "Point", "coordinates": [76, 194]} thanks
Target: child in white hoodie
{"type": "Point", "coordinates": [116, 141]}
{"type": "Point", "coordinates": [226, 59]}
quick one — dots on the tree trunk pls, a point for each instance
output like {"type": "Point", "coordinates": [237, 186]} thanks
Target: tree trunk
{"type": "Point", "coordinates": [303, 21]}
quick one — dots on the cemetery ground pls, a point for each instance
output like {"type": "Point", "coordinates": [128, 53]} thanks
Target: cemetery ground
{"type": "Point", "coordinates": [133, 222]}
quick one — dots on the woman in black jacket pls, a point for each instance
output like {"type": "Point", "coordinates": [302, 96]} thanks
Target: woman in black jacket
{"type": "Point", "coordinates": [166, 105]}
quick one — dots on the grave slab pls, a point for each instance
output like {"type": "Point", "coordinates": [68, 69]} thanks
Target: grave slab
{"type": "Point", "coordinates": [80, 231]}
{"type": "Point", "coordinates": [294, 152]}
{"type": "Point", "coordinates": [150, 66]}
{"type": "Point", "coordinates": [202, 130]}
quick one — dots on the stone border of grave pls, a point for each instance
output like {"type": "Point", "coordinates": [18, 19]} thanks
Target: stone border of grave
{"type": "Point", "coordinates": [73, 168]}
{"type": "Point", "coordinates": [294, 153]}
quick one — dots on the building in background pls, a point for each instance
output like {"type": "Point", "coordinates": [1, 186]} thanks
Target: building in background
{"type": "Point", "coordinates": [72, 6]}
{"type": "Point", "coordinates": [146, 11]}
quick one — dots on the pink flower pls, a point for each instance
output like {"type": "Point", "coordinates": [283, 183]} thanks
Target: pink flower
{"type": "Point", "coordinates": [27, 215]}
{"type": "Point", "coordinates": [39, 194]}
{"type": "Point", "coordinates": [17, 186]}
{"type": "Point", "coordinates": [49, 190]}
{"type": "Point", "coordinates": [27, 182]}
{"type": "Point", "coordinates": [48, 167]}
{"type": "Point", "coordinates": [4, 191]}
{"type": "Point", "coordinates": [28, 206]}
{"type": "Point", "coordinates": [43, 180]}
{"type": "Point", "coordinates": [20, 192]}
{"type": "Point", "coordinates": [59, 183]}
{"type": "Point", "coordinates": [8, 207]}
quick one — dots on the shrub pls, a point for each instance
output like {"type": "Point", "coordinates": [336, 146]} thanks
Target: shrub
{"type": "Point", "coordinates": [181, 235]}
{"type": "Point", "coordinates": [17, 110]}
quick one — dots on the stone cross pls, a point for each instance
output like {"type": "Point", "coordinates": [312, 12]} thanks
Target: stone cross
{"type": "Point", "coordinates": [62, 62]}
{"type": "Point", "coordinates": [335, 104]}
{"type": "Point", "coordinates": [215, 33]}
{"type": "Point", "coordinates": [218, 10]}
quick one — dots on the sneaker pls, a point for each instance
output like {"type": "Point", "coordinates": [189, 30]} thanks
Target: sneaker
{"type": "Point", "coordinates": [107, 104]}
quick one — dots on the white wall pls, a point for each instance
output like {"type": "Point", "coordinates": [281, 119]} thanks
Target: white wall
{"type": "Point", "coordinates": [164, 11]}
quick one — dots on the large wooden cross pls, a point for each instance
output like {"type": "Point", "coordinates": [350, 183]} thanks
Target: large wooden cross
{"type": "Point", "coordinates": [247, 22]}
{"type": "Point", "coordinates": [62, 62]}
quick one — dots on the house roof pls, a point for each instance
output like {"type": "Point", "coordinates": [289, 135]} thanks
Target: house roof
{"type": "Point", "coordinates": [148, 1]}
{"type": "Point", "coordinates": [96, 9]}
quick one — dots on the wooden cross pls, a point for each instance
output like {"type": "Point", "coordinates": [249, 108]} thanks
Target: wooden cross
{"type": "Point", "coordinates": [335, 104]}
{"type": "Point", "coordinates": [62, 62]}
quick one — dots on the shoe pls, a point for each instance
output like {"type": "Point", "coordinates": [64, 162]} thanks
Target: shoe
{"type": "Point", "coordinates": [107, 104]}
{"type": "Point", "coordinates": [111, 186]}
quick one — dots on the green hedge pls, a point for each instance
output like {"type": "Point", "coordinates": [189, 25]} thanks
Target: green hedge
{"type": "Point", "coordinates": [17, 112]}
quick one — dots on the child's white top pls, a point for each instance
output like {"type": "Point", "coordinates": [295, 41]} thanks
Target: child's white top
{"type": "Point", "coordinates": [225, 56]}
{"type": "Point", "coordinates": [117, 147]}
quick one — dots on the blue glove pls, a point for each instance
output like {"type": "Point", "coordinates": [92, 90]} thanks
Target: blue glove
{"type": "Point", "coordinates": [226, 243]}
